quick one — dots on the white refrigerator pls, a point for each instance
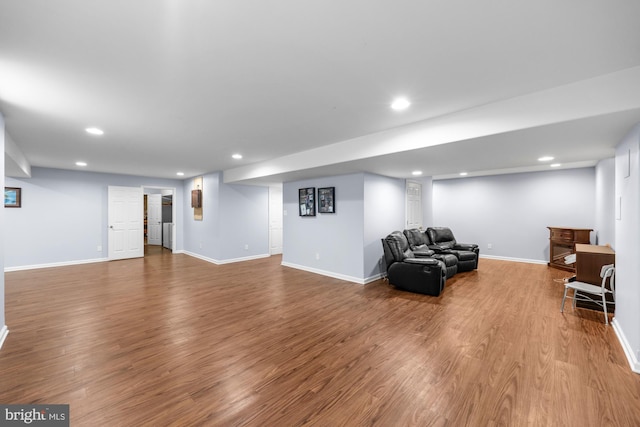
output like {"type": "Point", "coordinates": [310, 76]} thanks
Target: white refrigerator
{"type": "Point", "coordinates": [167, 235]}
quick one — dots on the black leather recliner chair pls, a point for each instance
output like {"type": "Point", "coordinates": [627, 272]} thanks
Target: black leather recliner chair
{"type": "Point", "coordinates": [419, 243]}
{"type": "Point", "coordinates": [405, 271]}
{"type": "Point", "coordinates": [443, 242]}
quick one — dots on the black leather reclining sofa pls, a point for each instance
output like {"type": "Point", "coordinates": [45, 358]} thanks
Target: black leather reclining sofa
{"type": "Point", "coordinates": [425, 275]}
{"type": "Point", "coordinates": [421, 261]}
{"type": "Point", "coordinates": [444, 242]}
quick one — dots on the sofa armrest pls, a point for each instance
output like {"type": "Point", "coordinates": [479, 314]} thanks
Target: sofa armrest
{"type": "Point", "coordinates": [421, 251]}
{"type": "Point", "coordinates": [465, 246]}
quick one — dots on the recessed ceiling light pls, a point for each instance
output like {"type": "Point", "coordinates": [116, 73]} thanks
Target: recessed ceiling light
{"type": "Point", "coordinates": [400, 104]}
{"type": "Point", "coordinates": [237, 156]}
{"type": "Point", "coordinates": [180, 173]}
{"type": "Point", "coordinates": [556, 165]}
{"type": "Point", "coordinates": [416, 173]}
{"type": "Point", "coordinates": [81, 163]}
{"type": "Point", "coordinates": [545, 159]}
{"type": "Point", "coordinates": [94, 131]}
{"type": "Point", "coordinates": [464, 173]}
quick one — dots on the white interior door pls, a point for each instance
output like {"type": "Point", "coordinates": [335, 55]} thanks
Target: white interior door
{"type": "Point", "coordinates": [154, 219]}
{"type": "Point", "coordinates": [125, 216]}
{"type": "Point", "coordinates": [414, 205]}
{"type": "Point", "coordinates": [275, 220]}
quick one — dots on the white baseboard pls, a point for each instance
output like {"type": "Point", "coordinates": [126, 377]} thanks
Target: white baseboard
{"type": "Point", "coordinates": [89, 261]}
{"type": "Point", "coordinates": [504, 258]}
{"type": "Point", "coordinates": [330, 273]}
{"type": "Point", "coordinates": [380, 275]}
{"type": "Point", "coordinates": [372, 278]}
{"type": "Point", "coordinates": [3, 334]}
{"type": "Point", "coordinates": [628, 351]}
{"type": "Point", "coordinates": [54, 264]}
{"type": "Point", "coordinates": [224, 261]}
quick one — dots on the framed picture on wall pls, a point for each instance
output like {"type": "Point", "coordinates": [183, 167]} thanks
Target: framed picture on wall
{"type": "Point", "coordinates": [12, 197]}
{"type": "Point", "coordinates": [327, 200]}
{"type": "Point", "coordinates": [307, 201]}
{"type": "Point", "coordinates": [196, 198]}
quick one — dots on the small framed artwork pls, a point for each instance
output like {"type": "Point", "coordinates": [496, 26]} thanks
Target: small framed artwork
{"type": "Point", "coordinates": [307, 201]}
{"type": "Point", "coordinates": [327, 200]}
{"type": "Point", "coordinates": [12, 197]}
{"type": "Point", "coordinates": [196, 198]}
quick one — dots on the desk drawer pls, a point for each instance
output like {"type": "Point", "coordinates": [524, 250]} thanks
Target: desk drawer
{"type": "Point", "coordinates": [566, 235]}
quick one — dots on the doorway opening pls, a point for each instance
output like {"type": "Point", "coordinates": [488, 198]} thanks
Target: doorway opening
{"type": "Point", "coordinates": [159, 220]}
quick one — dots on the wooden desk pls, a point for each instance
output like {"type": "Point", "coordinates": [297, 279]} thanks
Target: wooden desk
{"type": "Point", "coordinates": [562, 242]}
{"type": "Point", "coordinates": [589, 262]}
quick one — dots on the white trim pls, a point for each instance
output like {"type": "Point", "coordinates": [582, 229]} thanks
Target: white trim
{"type": "Point", "coordinates": [634, 363]}
{"type": "Point", "coordinates": [373, 278]}
{"type": "Point", "coordinates": [247, 258]}
{"type": "Point", "coordinates": [3, 334]}
{"type": "Point", "coordinates": [328, 273]}
{"type": "Point", "coordinates": [504, 258]}
{"type": "Point", "coordinates": [54, 264]}
{"type": "Point", "coordinates": [224, 261]}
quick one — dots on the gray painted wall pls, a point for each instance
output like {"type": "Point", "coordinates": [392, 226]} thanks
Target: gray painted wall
{"type": "Point", "coordinates": [427, 200]}
{"type": "Point", "coordinates": [244, 215]}
{"type": "Point", "coordinates": [233, 217]}
{"type": "Point", "coordinates": [511, 212]}
{"type": "Point", "coordinates": [347, 243]}
{"type": "Point", "coordinates": [63, 217]}
{"type": "Point", "coordinates": [627, 317]}
{"type": "Point", "coordinates": [384, 207]}
{"type": "Point", "coordinates": [328, 243]}
{"type": "Point", "coordinates": [605, 202]}
{"type": "Point", "coordinates": [203, 237]}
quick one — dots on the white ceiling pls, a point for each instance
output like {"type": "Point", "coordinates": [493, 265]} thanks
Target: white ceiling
{"type": "Point", "coordinates": [302, 88]}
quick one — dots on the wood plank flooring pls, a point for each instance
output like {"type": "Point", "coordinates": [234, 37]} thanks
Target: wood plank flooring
{"type": "Point", "coordinates": [170, 340]}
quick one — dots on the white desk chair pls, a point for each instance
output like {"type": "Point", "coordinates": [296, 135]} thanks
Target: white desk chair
{"type": "Point", "coordinates": [601, 291]}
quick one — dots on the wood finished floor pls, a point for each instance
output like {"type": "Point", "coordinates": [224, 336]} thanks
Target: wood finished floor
{"type": "Point", "coordinates": [173, 340]}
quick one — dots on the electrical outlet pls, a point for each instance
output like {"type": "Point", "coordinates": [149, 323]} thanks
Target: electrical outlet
{"type": "Point", "coordinates": [317, 255]}
{"type": "Point", "coordinates": [200, 245]}
{"type": "Point", "coordinates": [246, 247]}
{"type": "Point", "coordinates": [489, 246]}
{"type": "Point", "coordinates": [99, 248]}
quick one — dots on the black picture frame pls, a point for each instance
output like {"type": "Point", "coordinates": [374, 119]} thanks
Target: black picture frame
{"type": "Point", "coordinates": [307, 201]}
{"type": "Point", "coordinates": [12, 197]}
{"type": "Point", "coordinates": [327, 200]}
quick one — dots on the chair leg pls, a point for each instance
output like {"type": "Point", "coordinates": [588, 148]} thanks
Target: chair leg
{"type": "Point", "coordinates": [575, 294]}
{"type": "Point", "coordinates": [604, 307]}
{"type": "Point", "coordinates": [563, 298]}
